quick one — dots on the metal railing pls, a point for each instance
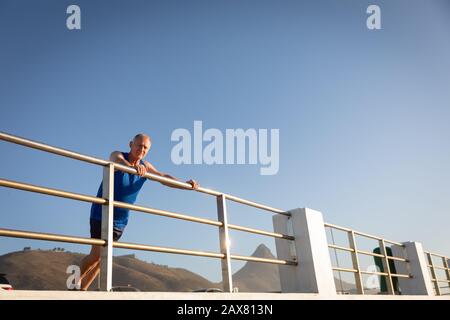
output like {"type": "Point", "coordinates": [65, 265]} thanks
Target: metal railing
{"type": "Point", "coordinates": [106, 242]}
{"type": "Point", "coordinates": [383, 255]}
{"type": "Point", "coordinates": [435, 279]}
{"type": "Point", "coordinates": [108, 204]}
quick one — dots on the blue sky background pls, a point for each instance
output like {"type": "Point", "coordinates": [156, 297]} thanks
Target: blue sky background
{"type": "Point", "coordinates": [363, 115]}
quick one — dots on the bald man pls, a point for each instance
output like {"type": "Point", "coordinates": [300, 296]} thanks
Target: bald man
{"type": "Point", "coordinates": [126, 189]}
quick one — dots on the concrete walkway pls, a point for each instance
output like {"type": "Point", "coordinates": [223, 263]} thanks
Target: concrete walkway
{"type": "Point", "coordinates": [96, 295]}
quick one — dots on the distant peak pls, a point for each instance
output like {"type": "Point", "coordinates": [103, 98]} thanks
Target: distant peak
{"type": "Point", "coordinates": [263, 252]}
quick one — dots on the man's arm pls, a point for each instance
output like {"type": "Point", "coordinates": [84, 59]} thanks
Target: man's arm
{"type": "Point", "coordinates": [117, 157]}
{"type": "Point", "coordinates": [151, 169]}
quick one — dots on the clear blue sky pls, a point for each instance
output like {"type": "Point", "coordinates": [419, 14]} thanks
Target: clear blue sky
{"type": "Point", "coordinates": [363, 115]}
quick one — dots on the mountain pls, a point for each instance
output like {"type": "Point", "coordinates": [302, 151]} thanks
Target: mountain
{"type": "Point", "coordinates": [257, 276]}
{"type": "Point", "coordinates": [46, 270]}
{"type": "Point", "coordinates": [265, 277]}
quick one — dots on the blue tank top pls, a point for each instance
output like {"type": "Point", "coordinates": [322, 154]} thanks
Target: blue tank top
{"type": "Point", "coordinates": [126, 189]}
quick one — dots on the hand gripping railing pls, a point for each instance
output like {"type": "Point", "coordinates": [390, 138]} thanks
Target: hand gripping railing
{"type": "Point", "coordinates": [107, 214]}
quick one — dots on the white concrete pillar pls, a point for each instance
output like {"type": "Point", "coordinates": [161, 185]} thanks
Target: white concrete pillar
{"type": "Point", "coordinates": [314, 273]}
{"type": "Point", "coordinates": [420, 283]}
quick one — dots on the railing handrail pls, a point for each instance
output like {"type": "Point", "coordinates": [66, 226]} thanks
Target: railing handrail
{"type": "Point", "coordinates": [354, 251]}
{"type": "Point", "coordinates": [436, 255]}
{"type": "Point", "coordinates": [91, 199]}
{"type": "Point", "coordinates": [222, 223]}
{"type": "Point", "coordinates": [359, 233]}
{"type": "Point", "coordinates": [93, 160]}
{"type": "Point", "coordinates": [329, 225]}
{"type": "Point", "coordinates": [124, 245]}
{"type": "Point", "coordinates": [384, 255]}
{"type": "Point", "coordinates": [109, 204]}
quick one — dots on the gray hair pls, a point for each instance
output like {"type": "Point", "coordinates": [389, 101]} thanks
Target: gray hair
{"type": "Point", "coordinates": [141, 135]}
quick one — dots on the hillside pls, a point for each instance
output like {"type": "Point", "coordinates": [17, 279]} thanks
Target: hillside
{"type": "Point", "coordinates": [46, 270]}
{"type": "Point", "coordinates": [256, 276]}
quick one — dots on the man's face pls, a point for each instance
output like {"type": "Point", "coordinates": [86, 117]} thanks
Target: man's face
{"type": "Point", "coordinates": [139, 147]}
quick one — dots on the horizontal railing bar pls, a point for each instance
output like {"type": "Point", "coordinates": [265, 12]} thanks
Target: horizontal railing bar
{"type": "Point", "coordinates": [262, 232]}
{"type": "Point", "coordinates": [440, 280]}
{"type": "Point", "coordinates": [166, 213]}
{"type": "Point", "coordinates": [50, 191]}
{"type": "Point", "coordinates": [123, 245]}
{"type": "Point", "coordinates": [378, 238]}
{"type": "Point", "coordinates": [344, 269]}
{"type": "Point", "coordinates": [144, 247]}
{"type": "Point", "coordinates": [329, 225]}
{"type": "Point", "coordinates": [51, 149]}
{"type": "Point", "coordinates": [50, 237]}
{"type": "Point", "coordinates": [372, 272]}
{"type": "Point", "coordinates": [77, 156]}
{"type": "Point", "coordinates": [157, 178]}
{"type": "Point", "coordinates": [398, 259]}
{"type": "Point", "coordinates": [201, 189]}
{"type": "Point", "coordinates": [394, 243]}
{"type": "Point", "coordinates": [382, 256]}
{"type": "Point", "coordinates": [368, 253]}
{"type": "Point", "coordinates": [333, 246]}
{"type": "Point", "coordinates": [256, 205]}
{"type": "Point", "coordinates": [399, 275]}
{"type": "Point", "coordinates": [264, 260]}
{"type": "Point", "coordinates": [81, 197]}
{"type": "Point", "coordinates": [394, 275]}
{"type": "Point", "coordinates": [437, 255]}
{"type": "Point", "coordinates": [199, 220]}
{"type": "Point", "coordinates": [375, 272]}
{"type": "Point", "coordinates": [196, 253]}
{"type": "Point", "coordinates": [438, 267]}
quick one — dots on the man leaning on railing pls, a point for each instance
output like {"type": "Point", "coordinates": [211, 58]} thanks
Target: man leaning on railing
{"type": "Point", "coordinates": [126, 189]}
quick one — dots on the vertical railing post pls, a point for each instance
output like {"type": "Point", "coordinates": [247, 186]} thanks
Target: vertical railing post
{"type": "Point", "coordinates": [224, 244]}
{"type": "Point", "coordinates": [387, 268]}
{"type": "Point", "coordinates": [313, 272]}
{"type": "Point", "coordinates": [106, 254]}
{"type": "Point", "coordinates": [434, 274]}
{"type": "Point", "coordinates": [355, 262]}
{"type": "Point", "coordinates": [447, 270]}
{"type": "Point", "coordinates": [419, 282]}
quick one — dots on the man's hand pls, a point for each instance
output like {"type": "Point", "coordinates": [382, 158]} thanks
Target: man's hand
{"type": "Point", "coordinates": [141, 169]}
{"type": "Point", "coordinates": [151, 169]}
{"type": "Point", "coordinates": [193, 183]}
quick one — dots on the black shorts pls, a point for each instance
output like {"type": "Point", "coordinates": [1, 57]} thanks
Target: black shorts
{"type": "Point", "coordinates": [96, 230]}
